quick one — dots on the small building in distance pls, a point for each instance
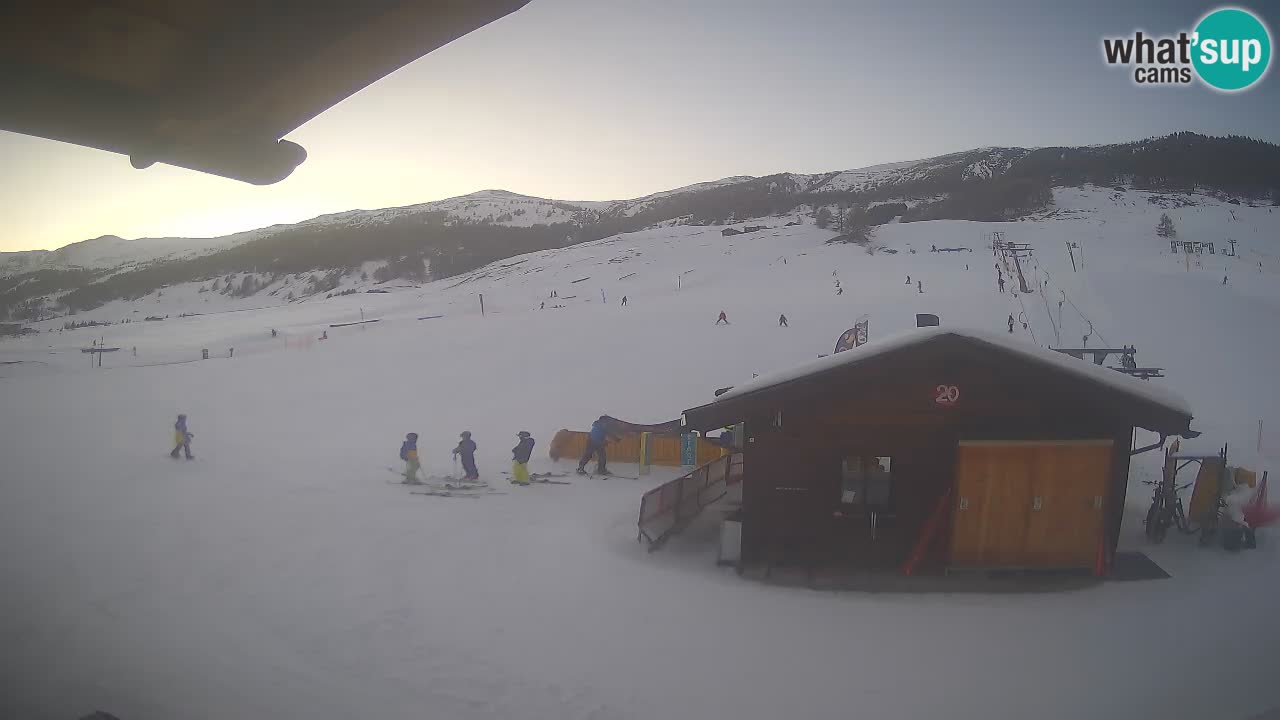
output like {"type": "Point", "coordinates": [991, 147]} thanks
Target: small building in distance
{"type": "Point", "coordinates": [938, 449]}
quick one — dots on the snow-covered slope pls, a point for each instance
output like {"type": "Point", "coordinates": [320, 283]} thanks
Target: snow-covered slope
{"type": "Point", "coordinates": [278, 575]}
{"type": "Point", "coordinates": [498, 207]}
{"type": "Point", "coordinates": [983, 163]}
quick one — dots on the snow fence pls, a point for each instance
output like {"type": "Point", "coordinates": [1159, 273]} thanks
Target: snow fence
{"type": "Point", "coordinates": [663, 449]}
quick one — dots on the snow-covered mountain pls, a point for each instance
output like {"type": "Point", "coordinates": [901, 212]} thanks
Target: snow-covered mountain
{"type": "Point", "coordinates": [459, 234]}
{"type": "Point", "coordinates": [497, 207]}
{"type": "Point", "coordinates": [1183, 161]}
{"type": "Point", "coordinates": [112, 252]}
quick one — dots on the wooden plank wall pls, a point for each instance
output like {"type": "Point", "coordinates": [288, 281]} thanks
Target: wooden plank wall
{"type": "Point", "coordinates": [998, 483]}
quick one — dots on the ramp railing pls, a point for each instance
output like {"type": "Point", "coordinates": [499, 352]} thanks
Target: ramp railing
{"type": "Point", "coordinates": [668, 508]}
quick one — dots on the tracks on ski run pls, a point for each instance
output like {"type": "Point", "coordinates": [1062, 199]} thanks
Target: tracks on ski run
{"type": "Point", "coordinates": [445, 486]}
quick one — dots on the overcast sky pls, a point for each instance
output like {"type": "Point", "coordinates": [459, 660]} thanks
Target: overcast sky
{"type": "Point", "coordinates": [609, 99]}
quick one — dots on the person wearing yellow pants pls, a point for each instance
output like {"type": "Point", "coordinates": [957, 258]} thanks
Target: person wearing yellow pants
{"type": "Point", "coordinates": [520, 455]}
{"type": "Point", "coordinates": [409, 454]}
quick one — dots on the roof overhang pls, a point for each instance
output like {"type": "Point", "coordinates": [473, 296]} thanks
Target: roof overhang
{"type": "Point", "coordinates": [210, 85]}
{"type": "Point", "coordinates": [1150, 407]}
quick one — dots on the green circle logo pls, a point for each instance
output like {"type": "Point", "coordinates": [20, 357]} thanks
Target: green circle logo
{"type": "Point", "coordinates": [1232, 49]}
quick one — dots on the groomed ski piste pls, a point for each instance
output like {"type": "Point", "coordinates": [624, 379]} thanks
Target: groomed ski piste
{"type": "Point", "coordinates": [285, 573]}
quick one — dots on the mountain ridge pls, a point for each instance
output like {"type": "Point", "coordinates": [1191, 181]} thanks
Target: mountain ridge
{"type": "Point", "coordinates": [853, 179]}
{"type": "Point", "coordinates": [447, 237]}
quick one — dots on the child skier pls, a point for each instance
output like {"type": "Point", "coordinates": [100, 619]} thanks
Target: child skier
{"type": "Point", "coordinates": [520, 455]}
{"type": "Point", "coordinates": [409, 454]}
{"type": "Point", "coordinates": [182, 438]}
{"type": "Point", "coordinates": [467, 450]}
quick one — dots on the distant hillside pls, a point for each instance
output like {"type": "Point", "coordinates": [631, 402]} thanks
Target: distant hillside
{"type": "Point", "coordinates": [448, 237]}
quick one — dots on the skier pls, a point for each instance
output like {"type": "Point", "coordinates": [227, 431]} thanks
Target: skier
{"type": "Point", "coordinates": [273, 332]}
{"type": "Point", "coordinates": [324, 335]}
{"type": "Point", "coordinates": [839, 290]}
{"type": "Point", "coordinates": [135, 351]}
{"type": "Point", "coordinates": [1224, 279]}
{"type": "Point", "coordinates": [409, 454]}
{"type": "Point", "coordinates": [782, 321]}
{"type": "Point", "coordinates": [908, 282]}
{"type": "Point", "coordinates": [543, 306]}
{"type": "Point", "coordinates": [520, 458]}
{"type": "Point", "coordinates": [920, 286]}
{"type": "Point", "coordinates": [467, 450]}
{"type": "Point", "coordinates": [1000, 283]}
{"type": "Point", "coordinates": [596, 440]}
{"type": "Point", "coordinates": [624, 301]}
{"type": "Point", "coordinates": [182, 438]}
{"type": "Point", "coordinates": [722, 319]}
{"type": "Point", "coordinates": [231, 352]}
{"type": "Point", "coordinates": [1010, 324]}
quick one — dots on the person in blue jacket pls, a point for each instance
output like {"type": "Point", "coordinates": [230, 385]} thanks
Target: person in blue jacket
{"type": "Point", "coordinates": [467, 451]}
{"type": "Point", "coordinates": [409, 454]}
{"type": "Point", "coordinates": [520, 455]}
{"type": "Point", "coordinates": [182, 438]}
{"type": "Point", "coordinates": [596, 441]}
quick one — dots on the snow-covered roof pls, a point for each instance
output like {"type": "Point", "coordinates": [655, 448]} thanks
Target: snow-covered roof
{"type": "Point", "coordinates": [1138, 389]}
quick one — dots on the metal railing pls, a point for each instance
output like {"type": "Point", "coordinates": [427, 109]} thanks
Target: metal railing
{"type": "Point", "coordinates": [668, 508]}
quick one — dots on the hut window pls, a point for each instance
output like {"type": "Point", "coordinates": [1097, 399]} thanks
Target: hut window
{"type": "Point", "coordinates": [866, 481]}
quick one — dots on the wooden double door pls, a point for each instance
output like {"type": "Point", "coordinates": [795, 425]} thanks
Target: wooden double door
{"type": "Point", "coordinates": [1030, 504]}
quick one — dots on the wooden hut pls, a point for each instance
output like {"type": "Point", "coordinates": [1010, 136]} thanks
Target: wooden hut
{"type": "Point", "coordinates": [957, 448]}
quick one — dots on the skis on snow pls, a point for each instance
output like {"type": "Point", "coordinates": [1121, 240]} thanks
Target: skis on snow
{"type": "Point", "coordinates": [445, 486]}
{"type": "Point", "coordinates": [542, 478]}
{"type": "Point", "coordinates": [608, 475]}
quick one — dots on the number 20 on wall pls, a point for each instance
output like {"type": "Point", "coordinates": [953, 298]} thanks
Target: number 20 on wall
{"type": "Point", "coordinates": [947, 395]}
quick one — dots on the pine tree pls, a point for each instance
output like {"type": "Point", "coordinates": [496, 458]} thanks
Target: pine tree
{"type": "Point", "coordinates": [1166, 229]}
{"type": "Point", "coordinates": [823, 218]}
